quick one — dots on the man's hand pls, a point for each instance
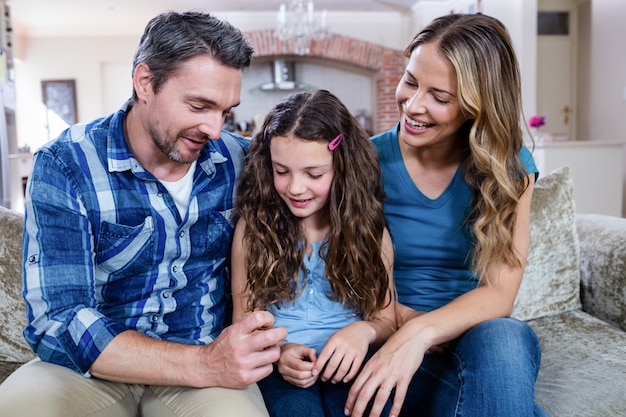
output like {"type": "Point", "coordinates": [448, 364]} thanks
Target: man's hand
{"type": "Point", "coordinates": [244, 352]}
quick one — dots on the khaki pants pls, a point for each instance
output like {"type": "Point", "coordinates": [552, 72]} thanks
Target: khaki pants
{"type": "Point", "coordinates": [42, 389]}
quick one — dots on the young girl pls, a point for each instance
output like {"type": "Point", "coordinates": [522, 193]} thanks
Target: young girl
{"type": "Point", "coordinates": [311, 247]}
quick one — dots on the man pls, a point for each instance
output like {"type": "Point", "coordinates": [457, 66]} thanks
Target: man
{"type": "Point", "coordinates": [127, 231]}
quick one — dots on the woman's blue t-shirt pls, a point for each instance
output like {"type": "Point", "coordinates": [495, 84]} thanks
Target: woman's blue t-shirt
{"type": "Point", "coordinates": [431, 243]}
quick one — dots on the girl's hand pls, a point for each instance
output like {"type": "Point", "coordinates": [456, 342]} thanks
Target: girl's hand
{"type": "Point", "coordinates": [344, 352]}
{"type": "Point", "coordinates": [296, 364]}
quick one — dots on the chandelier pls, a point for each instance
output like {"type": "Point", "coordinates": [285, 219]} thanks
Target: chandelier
{"type": "Point", "coordinates": [298, 22]}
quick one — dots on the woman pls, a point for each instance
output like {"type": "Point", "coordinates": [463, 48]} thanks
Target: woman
{"type": "Point", "coordinates": [459, 184]}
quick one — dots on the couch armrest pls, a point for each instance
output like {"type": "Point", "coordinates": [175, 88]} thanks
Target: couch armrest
{"type": "Point", "coordinates": [603, 266]}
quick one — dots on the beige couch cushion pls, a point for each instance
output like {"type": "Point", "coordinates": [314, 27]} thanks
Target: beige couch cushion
{"type": "Point", "coordinates": [583, 366]}
{"type": "Point", "coordinates": [551, 282]}
{"type": "Point", "coordinates": [13, 347]}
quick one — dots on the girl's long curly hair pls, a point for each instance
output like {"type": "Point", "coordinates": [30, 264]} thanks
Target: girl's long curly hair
{"type": "Point", "coordinates": [489, 92]}
{"type": "Point", "coordinates": [273, 236]}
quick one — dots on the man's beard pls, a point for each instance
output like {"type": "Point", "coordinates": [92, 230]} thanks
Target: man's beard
{"type": "Point", "coordinates": [169, 148]}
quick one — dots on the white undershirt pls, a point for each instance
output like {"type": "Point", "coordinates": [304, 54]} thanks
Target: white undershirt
{"type": "Point", "coordinates": [181, 189]}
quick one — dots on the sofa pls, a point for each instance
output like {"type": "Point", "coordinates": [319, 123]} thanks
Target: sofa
{"type": "Point", "coordinates": [573, 295]}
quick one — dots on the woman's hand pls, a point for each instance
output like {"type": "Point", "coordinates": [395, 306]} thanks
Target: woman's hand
{"type": "Point", "coordinates": [344, 352]}
{"type": "Point", "coordinates": [392, 367]}
{"type": "Point", "coordinates": [296, 364]}
{"type": "Point", "coordinates": [404, 314]}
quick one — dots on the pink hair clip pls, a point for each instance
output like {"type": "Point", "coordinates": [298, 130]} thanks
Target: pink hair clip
{"type": "Point", "coordinates": [332, 145]}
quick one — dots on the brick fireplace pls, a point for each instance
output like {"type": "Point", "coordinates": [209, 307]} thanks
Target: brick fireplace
{"type": "Point", "coordinates": [385, 64]}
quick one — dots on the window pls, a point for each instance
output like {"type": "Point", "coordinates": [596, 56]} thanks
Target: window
{"type": "Point", "coordinates": [553, 23]}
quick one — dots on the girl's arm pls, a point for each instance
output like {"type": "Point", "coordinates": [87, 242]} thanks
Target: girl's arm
{"type": "Point", "coordinates": [343, 354]}
{"type": "Point", "coordinates": [399, 358]}
{"type": "Point", "coordinates": [238, 273]}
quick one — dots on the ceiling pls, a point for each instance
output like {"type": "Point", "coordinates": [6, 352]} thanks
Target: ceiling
{"type": "Point", "coordinates": [80, 17]}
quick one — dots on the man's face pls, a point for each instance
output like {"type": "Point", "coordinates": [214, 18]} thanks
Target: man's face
{"type": "Point", "coordinates": [190, 107]}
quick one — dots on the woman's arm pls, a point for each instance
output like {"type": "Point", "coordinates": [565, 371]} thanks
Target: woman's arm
{"type": "Point", "coordinates": [398, 359]}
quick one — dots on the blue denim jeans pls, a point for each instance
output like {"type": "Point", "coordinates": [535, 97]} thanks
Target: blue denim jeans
{"type": "Point", "coordinates": [323, 399]}
{"type": "Point", "coordinates": [489, 371]}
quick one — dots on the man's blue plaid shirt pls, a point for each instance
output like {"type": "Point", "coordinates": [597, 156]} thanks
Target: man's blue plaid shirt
{"type": "Point", "coordinates": [106, 250]}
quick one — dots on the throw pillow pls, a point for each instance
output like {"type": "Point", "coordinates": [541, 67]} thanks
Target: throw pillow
{"type": "Point", "coordinates": [551, 282]}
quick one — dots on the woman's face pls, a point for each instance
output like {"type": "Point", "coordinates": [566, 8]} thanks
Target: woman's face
{"type": "Point", "coordinates": [427, 99]}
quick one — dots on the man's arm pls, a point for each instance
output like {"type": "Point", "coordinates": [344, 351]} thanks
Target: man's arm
{"type": "Point", "coordinates": [64, 325]}
{"type": "Point", "coordinates": [242, 354]}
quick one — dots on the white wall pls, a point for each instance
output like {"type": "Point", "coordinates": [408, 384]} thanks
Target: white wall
{"type": "Point", "coordinates": [81, 59]}
{"type": "Point", "coordinates": [607, 108]}
{"type": "Point", "coordinates": [608, 69]}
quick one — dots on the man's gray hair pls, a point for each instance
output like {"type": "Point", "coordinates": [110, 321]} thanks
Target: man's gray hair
{"type": "Point", "coordinates": [172, 38]}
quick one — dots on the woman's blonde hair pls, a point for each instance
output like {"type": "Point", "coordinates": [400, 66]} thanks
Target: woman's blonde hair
{"type": "Point", "coordinates": [273, 236]}
{"type": "Point", "coordinates": [489, 92]}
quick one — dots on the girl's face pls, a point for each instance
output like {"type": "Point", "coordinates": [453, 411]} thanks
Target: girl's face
{"type": "Point", "coordinates": [427, 99]}
{"type": "Point", "coordinates": [303, 174]}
